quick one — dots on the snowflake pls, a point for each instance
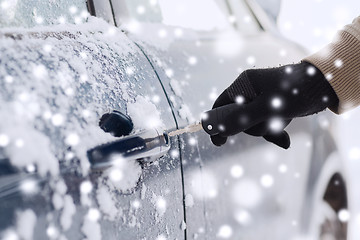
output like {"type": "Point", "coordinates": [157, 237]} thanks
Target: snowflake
{"type": "Point", "coordinates": [30, 168]}
{"type": "Point", "coordinates": [29, 186]}
{"type": "Point", "coordinates": [162, 33]}
{"type": "Point", "coordinates": [338, 63]}
{"type": "Point", "coordinates": [52, 232]}
{"type": "Point", "coordinates": [247, 19]}
{"type": "Point", "coordinates": [39, 20]}
{"type": "Point", "coordinates": [294, 223]}
{"type": "Point", "coordinates": [57, 119]}
{"type": "Point", "coordinates": [250, 60]}
{"type": "Point", "coordinates": [153, 2]}
{"type": "Point", "coordinates": [5, 5]}
{"type": "Point", "coordinates": [39, 71]}
{"type": "Point", "coordinates": [283, 168]}
{"type": "Point", "coordinates": [225, 231]}
{"type": "Point", "coordinates": [276, 125]}
{"type": "Point", "coordinates": [93, 214]}
{"type": "Point", "coordinates": [19, 143]}
{"type": "Point", "coordinates": [232, 19]}
{"type": "Point", "coordinates": [156, 99]}
{"type": "Point", "coordinates": [140, 10]}
{"type": "Point", "coordinates": [83, 55]}
{"type": "Point", "coordinates": [288, 69]}
{"type": "Point", "coordinates": [353, 154]}
{"type": "Point", "coordinates": [4, 140]}
{"type": "Point", "coordinates": [161, 205]}
{"type": "Point", "coordinates": [344, 215]}
{"type": "Point", "coordinates": [295, 91]}
{"type": "Point", "coordinates": [178, 32]}
{"type": "Point", "coordinates": [287, 25]}
{"type": "Point", "coordinates": [174, 153]}
{"type": "Point", "coordinates": [169, 72]}
{"type": "Point", "coordinates": [282, 53]}
{"type": "Point", "coordinates": [86, 187]}
{"type": "Point", "coordinates": [62, 20]}
{"type": "Point", "coordinates": [192, 60]}
{"type": "Point", "coordinates": [311, 71]}
{"type": "Point", "coordinates": [329, 76]}
{"type": "Point", "coordinates": [192, 141]}
{"type": "Point", "coordinates": [47, 48]}
{"type": "Point", "coordinates": [84, 78]}
{"type": "Point", "coordinates": [276, 102]}
{"type": "Point", "coordinates": [236, 171]}
{"type": "Point", "coordinates": [9, 79]}
{"type": "Point", "coordinates": [240, 100]}
{"type": "Point", "coordinates": [136, 204]}
{"type": "Point", "coordinates": [213, 94]}
{"type": "Point", "coordinates": [116, 175]}
{"type": "Point", "coordinates": [69, 92]}
{"type": "Point", "coordinates": [84, 14]}
{"type": "Point", "coordinates": [243, 217]}
{"type": "Point", "coordinates": [72, 139]}
{"type": "Point", "coordinates": [129, 70]}
{"type": "Point", "coordinates": [267, 180]}
{"type": "Point", "coordinates": [73, 9]}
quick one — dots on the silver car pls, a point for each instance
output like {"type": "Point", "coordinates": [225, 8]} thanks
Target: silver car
{"type": "Point", "coordinates": [86, 105]}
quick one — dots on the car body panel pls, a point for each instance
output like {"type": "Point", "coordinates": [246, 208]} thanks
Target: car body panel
{"type": "Point", "coordinates": [57, 82]}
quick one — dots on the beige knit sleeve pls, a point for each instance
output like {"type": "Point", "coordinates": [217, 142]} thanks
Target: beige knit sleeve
{"type": "Point", "coordinates": [339, 61]}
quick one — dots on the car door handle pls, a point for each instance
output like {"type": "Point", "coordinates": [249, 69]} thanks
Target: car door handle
{"type": "Point", "coordinates": [145, 146]}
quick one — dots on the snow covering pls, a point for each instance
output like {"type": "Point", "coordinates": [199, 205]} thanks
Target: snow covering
{"type": "Point", "coordinates": [106, 202]}
{"type": "Point", "coordinates": [91, 229]}
{"type": "Point", "coordinates": [25, 224]}
{"type": "Point", "coordinates": [67, 213]}
{"type": "Point", "coordinates": [124, 175]}
{"type": "Point", "coordinates": [145, 114]}
{"type": "Point", "coordinates": [48, 115]}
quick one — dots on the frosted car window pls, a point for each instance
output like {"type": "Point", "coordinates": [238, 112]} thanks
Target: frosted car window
{"type": "Point", "coordinates": [29, 13]}
{"type": "Point", "coordinates": [203, 15]}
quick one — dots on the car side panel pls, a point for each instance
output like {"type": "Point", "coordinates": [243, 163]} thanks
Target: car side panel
{"type": "Point", "coordinates": [56, 83]}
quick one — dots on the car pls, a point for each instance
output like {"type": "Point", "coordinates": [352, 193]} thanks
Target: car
{"type": "Point", "coordinates": [88, 104]}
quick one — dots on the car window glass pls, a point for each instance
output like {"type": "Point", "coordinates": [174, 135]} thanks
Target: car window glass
{"type": "Point", "coordinates": [242, 17]}
{"type": "Point", "coordinates": [29, 13]}
{"type": "Point", "coordinates": [203, 15]}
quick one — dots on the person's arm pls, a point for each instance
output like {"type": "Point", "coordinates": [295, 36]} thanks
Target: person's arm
{"type": "Point", "coordinates": [262, 102]}
{"type": "Point", "coordinates": [339, 62]}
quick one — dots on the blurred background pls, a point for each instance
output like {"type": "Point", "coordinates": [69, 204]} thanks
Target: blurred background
{"type": "Point", "coordinates": [312, 24]}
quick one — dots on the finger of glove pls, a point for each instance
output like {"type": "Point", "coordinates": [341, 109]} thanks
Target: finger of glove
{"type": "Point", "coordinates": [218, 140]}
{"type": "Point", "coordinates": [243, 117]}
{"type": "Point", "coordinates": [281, 139]}
{"type": "Point", "coordinates": [263, 128]}
{"type": "Point", "coordinates": [259, 129]}
{"type": "Point", "coordinates": [222, 100]}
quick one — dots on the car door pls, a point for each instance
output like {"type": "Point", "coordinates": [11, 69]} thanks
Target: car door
{"type": "Point", "coordinates": [247, 189]}
{"type": "Point", "coordinates": [58, 82]}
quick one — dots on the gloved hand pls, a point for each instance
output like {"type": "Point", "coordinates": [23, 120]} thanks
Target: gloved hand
{"type": "Point", "coordinates": [262, 102]}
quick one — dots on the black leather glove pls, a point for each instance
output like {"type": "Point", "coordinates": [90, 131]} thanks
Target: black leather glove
{"type": "Point", "coordinates": [262, 102]}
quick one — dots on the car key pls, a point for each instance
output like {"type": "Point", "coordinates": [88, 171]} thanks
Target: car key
{"type": "Point", "coordinates": [210, 122]}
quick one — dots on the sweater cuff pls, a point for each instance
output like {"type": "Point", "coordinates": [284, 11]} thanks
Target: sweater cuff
{"type": "Point", "coordinates": [339, 62]}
